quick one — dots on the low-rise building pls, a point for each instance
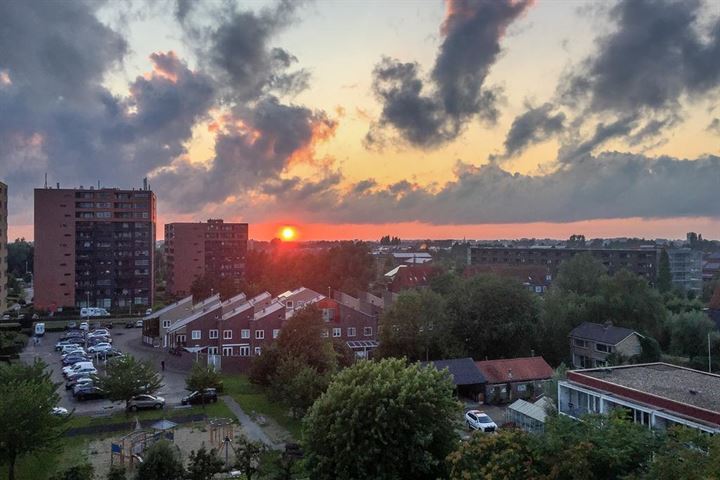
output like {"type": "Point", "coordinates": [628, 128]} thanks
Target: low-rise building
{"type": "Point", "coordinates": [295, 300]}
{"type": "Point", "coordinates": [156, 325]}
{"type": "Point", "coordinates": [405, 277]}
{"type": "Point", "coordinates": [592, 343]}
{"type": "Point", "coordinates": [508, 379]}
{"type": "Point", "coordinates": [467, 378]}
{"type": "Point", "coordinates": [352, 321]}
{"type": "Point", "coordinates": [658, 395]}
{"type": "Point", "coordinates": [528, 416]}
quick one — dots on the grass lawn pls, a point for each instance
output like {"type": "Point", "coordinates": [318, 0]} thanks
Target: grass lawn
{"type": "Point", "coordinates": [253, 399]}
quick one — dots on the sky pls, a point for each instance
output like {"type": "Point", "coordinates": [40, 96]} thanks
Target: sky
{"type": "Point", "coordinates": [348, 119]}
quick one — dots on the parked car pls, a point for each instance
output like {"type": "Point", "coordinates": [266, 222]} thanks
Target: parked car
{"type": "Point", "coordinates": [88, 392]}
{"type": "Point", "coordinates": [76, 367]}
{"type": "Point", "coordinates": [114, 353]}
{"type": "Point", "coordinates": [130, 324]}
{"type": "Point", "coordinates": [93, 312]}
{"type": "Point", "coordinates": [68, 349]}
{"type": "Point", "coordinates": [139, 402]}
{"type": "Point", "coordinates": [100, 347]}
{"type": "Point", "coordinates": [40, 329]}
{"type": "Point", "coordinates": [84, 326]}
{"type": "Point", "coordinates": [139, 324]}
{"type": "Point", "coordinates": [73, 359]}
{"type": "Point", "coordinates": [108, 325]}
{"type": "Point", "coordinates": [72, 334]}
{"type": "Point", "coordinates": [63, 343]}
{"type": "Point", "coordinates": [478, 420]}
{"type": "Point", "coordinates": [6, 317]}
{"type": "Point", "coordinates": [70, 384]}
{"type": "Point", "coordinates": [83, 371]}
{"type": "Point", "coordinates": [71, 326]}
{"type": "Point", "coordinates": [209, 395]}
{"type": "Point", "coordinates": [99, 332]}
{"type": "Point", "coordinates": [60, 411]}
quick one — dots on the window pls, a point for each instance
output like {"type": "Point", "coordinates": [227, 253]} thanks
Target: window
{"type": "Point", "coordinates": [212, 350]}
{"type": "Point", "coordinates": [328, 314]}
{"type": "Point", "coordinates": [166, 323]}
{"type": "Point", "coordinates": [259, 334]}
{"type": "Point", "coordinates": [227, 334]}
{"type": "Point", "coordinates": [258, 350]}
{"type": "Point", "coordinates": [213, 334]}
{"type": "Point", "coordinates": [276, 332]}
{"type": "Point", "coordinates": [196, 335]}
{"type": "Point", "coordinates": [227, 351]}
{"type": "Point", "coordinates": [367, 331]}
{"type": "Point", "coordinates": [245, 333]}
{"type": "Point", "coordinates": [351, 331]}
{"type": "Point", "coordinates": [324, 333]}
{"type": "Point", "coordinates": [337, 332]}
{"type": "Point", "coordinates": [289, 304]}
{"type": "Point", "coordinates": [522, 387]}
{"type": "Point", "coordinates": [244, 351]}
{"type": "Point", "coordinates": [580, 343]}
{"type": "Point", "coordinates": [601, 347]}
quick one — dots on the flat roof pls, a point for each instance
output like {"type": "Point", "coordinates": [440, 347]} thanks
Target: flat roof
{"type": "Point", "coordinates": [663, 380]}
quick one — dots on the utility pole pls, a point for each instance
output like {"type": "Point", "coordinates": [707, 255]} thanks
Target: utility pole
{"type": "Point", "coordinates": [709, 355]}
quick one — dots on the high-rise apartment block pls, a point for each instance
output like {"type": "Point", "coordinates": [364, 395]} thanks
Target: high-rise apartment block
{"type": "Point", "coordinates": [3, 246]}
{"type": "Point", "coordinates": [194, 250]}
{"type": "Point", "coordinates": [94, 247]}
{"type": "Point", "coordinates": [686, 268]}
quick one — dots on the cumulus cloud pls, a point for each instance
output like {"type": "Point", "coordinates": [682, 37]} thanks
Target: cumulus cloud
{"type": "Point", "coordinates": [428, 112]}
{"type": "Point", "coordinates": [714, 126]}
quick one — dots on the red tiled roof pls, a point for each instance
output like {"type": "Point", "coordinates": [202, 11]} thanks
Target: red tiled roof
{"type": "Point", "coordinates": [528, 368]}
{"type": "Point", "coordinates": [413, 276]}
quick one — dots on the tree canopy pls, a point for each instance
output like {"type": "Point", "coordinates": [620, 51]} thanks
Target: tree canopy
{"type": "Point", "coordinates": [382, 420]}
{"type": "Point", "coordinates": [126, 377]}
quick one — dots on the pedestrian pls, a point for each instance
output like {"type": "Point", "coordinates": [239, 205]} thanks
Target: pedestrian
{"type": "Point", "coordinates": [162, 365]}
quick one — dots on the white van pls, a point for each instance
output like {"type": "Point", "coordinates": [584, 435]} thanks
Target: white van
{"type": "Point", "coordinates": [39, 329]}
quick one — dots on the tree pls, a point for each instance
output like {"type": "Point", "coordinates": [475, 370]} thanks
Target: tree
{"type": "Point", "coordinates": [508, 455]}
{"type": "Point", "coordinates": [27, 424]}
{"type": "Point", "coordinates": [20, 256]}
{"type": "Point", "coordinates": [580, 274]}
{"type": "Point", "coordinates": [126, 377]}
{"type": "Point", "coordinates": [416, 327]}
{"type": "Point", "coordinates": [201, 378]}
{"type": "Point", "coordinates": [77, 472]}
{"type": "Point", "coordinates": [204, 464]}
{"type": "Point", "coordinates": [689, 333]}
{"type": "Point", "coordinates": [297, 385]}
{"type": "Point", "coordinates": [383, 420]}
{"type": "Point", "coordinates": [248, 455]}
{"type": "Point", "coordinates": [162, 460]}
{"type": "Point", "coordinates": [664, 278]}
{"type": "Point", "coordinates": [686, 455]}
{"type": "Point", "coordinates": [649, 350]}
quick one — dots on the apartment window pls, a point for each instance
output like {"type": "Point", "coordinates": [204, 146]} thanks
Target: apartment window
{"type": "Point", "coordinates": [601, 347]}
{"type": "Point", "coordinates": [259, 334]}
{"type": "Point", "coordinates": [324, 333]}
{"type": "Point", "coordinates": [258, 350]}
{"type": "Point", "coordinates": [244, 351]}
{"type": "Point", "coordinates": [245, 333]}
{"type": "Point", "coordinates": [276, 332]}
{"type": "Point", "coordinates": [367, 331]}
{"type": "Point", "coordinates": [351, 331]}
{"type": "Point", "coordinates": [196, 335]}
{"type": "Point", "coordinates": [213, 334]}
{"type": "Point", "coordinates": [328, 314]}
{"type": "Point", "coordinates": [337, 332]}
{"type": "Point", "coordinates": [227, 351]}
{"type": "Point", "coordinates": [227, 334]}
{"type": "Point", "coordinates": [166, 323]}
{"type": "Point", "coordinates": [580, 343]}
{"type": "Point", "coordinates": [212, 350]}
{"type": "Point", "coordinates": [289, 304]}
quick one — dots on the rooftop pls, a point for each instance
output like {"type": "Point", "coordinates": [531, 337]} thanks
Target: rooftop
{"type": "Point", "coordinates": [684, 385]}
{"type": "Point", "coordinates": [463, 370]}
{"type": "Point", "coordinates": [601, 333]}
{"type": "Point", "coordinates": [515, 369]}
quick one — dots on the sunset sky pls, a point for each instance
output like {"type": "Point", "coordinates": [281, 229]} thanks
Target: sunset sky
{"type": "Point", "coordinates": [356, 119]}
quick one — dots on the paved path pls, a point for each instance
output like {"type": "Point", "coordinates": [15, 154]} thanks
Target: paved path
{"type": "Point", "coordinates": [252, 429]}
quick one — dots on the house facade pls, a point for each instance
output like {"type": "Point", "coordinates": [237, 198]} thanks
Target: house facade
{"type": "Point", "coordinates": [592, 343]}
{"type": "Point", "coordinates": [354, 323]}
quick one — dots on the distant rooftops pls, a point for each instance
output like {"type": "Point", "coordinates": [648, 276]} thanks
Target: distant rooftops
{"type": "Point", "coordinates": [596, 332]}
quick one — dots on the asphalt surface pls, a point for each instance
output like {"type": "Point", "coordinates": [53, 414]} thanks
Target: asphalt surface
{"type": "Point", "coordinates": [127, 341]}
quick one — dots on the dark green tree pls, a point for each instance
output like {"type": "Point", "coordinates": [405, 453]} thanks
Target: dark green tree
{"type": "Point", "coordinates": [161, 461]}
{"type": "Point", "coordinates": [686, 455]}
{"type": "Point", "coordinates": [664, 278]}
{"type": "Point", "coordinates": [297, 385]}
{"type": "Point", "coordinates": [248, 456]}
{"type": "Point", "coordinates": [202, 377]}
{"type": "Point", "coordinates": [415, 408]}
{"type": "Point", "coordinates": [126, 377]}
{"type": "Point", "coordinates": [689, 333]}
{"type": "Point", "coordinates": [580, 274]}
{"type": "Point", "coordinates": [649, 351]}
{"type": "Point", "coordinates": [204, 464]}
{"type": "Point", "coordinates": [27, 424]}
{"type": "Point", "coordinates": [117, 472]}
{"type": "Point", "coordinates": [77, 472]}
{"type": "Point", "coordinates": [20, 257]}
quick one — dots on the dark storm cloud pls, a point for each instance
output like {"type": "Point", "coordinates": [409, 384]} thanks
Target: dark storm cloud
{"type": "Point", "coordinates": [533, 126]}
{"type": "Point", "coordinates": [610, 185]}
{"type": "Point", "coordinates": [656, 53]}
{"type": "Point", "coordinates": [430, 112]}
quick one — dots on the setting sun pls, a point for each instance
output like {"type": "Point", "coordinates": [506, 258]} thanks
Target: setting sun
{"type": "Point", "coordinates": [288, 233]}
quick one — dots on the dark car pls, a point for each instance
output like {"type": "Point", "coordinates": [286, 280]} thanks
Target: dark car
{"type": "Point", "coordinates": [113, 353]}
{"type": "Point", "coordinates": [73, 359]}
{"type": "Point", "coordinates": [209, 395]}
{"type": "Point", "coordinates": [74, 335]}
{"type": "Point", "coordinates": [130, 324]}
{"type": "Point", "coordinates": [88, 392]}
{"type": "Point", "coordinates": [70, 384]}
{"type": "Point", "coordinates": [71, 326]}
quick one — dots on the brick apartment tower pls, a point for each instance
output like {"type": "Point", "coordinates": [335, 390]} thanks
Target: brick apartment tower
{"type": "Point", "coordinates": [214, 248]}
{"type": "Point", "coordinates": [94, 246]}
{"type": "Point", "coordinates": [3, 246]}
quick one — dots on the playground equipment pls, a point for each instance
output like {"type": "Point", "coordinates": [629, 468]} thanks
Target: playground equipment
{"type": "Point", "coordinates": [127, 451]}
{"type": "Point", "coordinates": [220, 429]}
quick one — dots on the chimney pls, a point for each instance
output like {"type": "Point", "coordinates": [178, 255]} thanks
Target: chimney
{"type": "Point", "coordinates": [607, 324]}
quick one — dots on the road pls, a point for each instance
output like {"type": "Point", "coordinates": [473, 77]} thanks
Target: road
{"type": "Point", "coordinates": [126, 340]}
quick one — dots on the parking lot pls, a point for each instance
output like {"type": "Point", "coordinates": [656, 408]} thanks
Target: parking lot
{"type": "Point", "coordinates": [125, 340]}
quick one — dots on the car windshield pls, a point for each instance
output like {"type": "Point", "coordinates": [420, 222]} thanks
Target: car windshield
{"type": "Point", "coordinates": [484, 419]}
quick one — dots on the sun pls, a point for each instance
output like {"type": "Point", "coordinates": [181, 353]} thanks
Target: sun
{"type": "Point", "coordinates": [288, 233]}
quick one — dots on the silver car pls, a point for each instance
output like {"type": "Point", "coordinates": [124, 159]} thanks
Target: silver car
{"type": "Point", "coordinates": [139, 402]}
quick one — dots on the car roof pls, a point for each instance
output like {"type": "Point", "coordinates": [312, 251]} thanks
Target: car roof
{"type": "Point", "coordinates": [477, 412]}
